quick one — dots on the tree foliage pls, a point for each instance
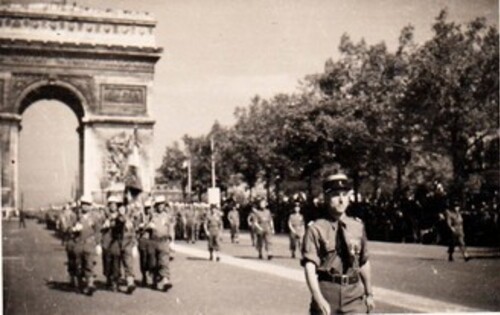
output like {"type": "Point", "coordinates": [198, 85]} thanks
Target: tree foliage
{"type": "Point", "coordinates": [400, 117]}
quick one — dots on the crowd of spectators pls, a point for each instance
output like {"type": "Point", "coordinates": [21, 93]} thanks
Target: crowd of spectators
{"type": "Point", "coordinates": [416, 217]}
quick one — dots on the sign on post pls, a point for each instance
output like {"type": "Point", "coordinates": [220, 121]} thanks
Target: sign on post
{"type": "Point", "coordinates": [214, 196]}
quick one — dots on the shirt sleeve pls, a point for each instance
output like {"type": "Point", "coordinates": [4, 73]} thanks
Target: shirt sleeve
{"type": "Point", "coordinates": [310, 248]}
{"type": "Point", "coordinates": [363, 255]}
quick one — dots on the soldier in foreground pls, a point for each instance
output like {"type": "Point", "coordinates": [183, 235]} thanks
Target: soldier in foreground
{"type": "Point", "coordinates": [146, 245]}
{"type": "Point", "coordinates": [455, 223]}
{"type": "Point", "coordinates": [264, 227]}
{"type": "Point", "coordinates": [297, 229]}
{"type": "Point", "coordinates": [335, 256]}
{"type": "Point", "coordinates": [111, 214]}
{"type": "Point", "coordinates": [251, 227]}
{"type": "Point", "coordinates": [122, 246]}
{"type": "Point", "coordinates": [213, 229]}
{"type": "Point", "coordinates": [86, 245]}
{"type": "Point", "coordinates": [234, 223]}
{"type": "Point", "coordinates": [191, 217]}
{"type": "Point", "coordinates": [161, 236]}
{"type": "Point", "coordinates": [69, 219]}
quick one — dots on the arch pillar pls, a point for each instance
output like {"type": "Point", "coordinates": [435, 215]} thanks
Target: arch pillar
{"type": "Point", "coordinates": [10, 125]}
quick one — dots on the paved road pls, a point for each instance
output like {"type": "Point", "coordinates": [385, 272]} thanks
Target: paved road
{"type": "Point", "coordinates": [408, 278]}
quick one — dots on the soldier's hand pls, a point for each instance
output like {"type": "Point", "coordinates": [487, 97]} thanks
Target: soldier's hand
{"type": "Point", "coordinates": [78, 227]}
{"type": "Point", "coordinates": [324, 306]}
{"type": "Point", "coordinates": [370, 303]}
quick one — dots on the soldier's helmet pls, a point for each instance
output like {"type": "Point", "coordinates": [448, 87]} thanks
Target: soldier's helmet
{"type": "Point", "coordinates": [160, 199]}
{"type": "Point", "coordinates": [85, 200]}
{"type": "Point", "coordinates": [148, 203]}
{"type": "Point", "coordinates": [114, 199]}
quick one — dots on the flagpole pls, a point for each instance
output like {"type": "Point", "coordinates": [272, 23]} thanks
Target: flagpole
{"type": "Point", "coordinates": [189, 178]}
{"type": "Point", "coordinates": [212, 160]}
{"type": "Point", "coordinates": [1, 186]}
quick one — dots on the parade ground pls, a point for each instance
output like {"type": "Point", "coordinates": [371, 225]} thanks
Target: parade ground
{"type": "Point", "coordinates": [407, 278]}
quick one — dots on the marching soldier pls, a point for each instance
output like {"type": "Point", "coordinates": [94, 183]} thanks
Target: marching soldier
{"type": "Point", "coordinates": [122, 246]}
{"type": "Point", "coordinates": [86, 245]}
{"type": "Point", "coordinates": [264, 227]}
{"type": "Point", "coordinates": [65, 222]}
{"type": "Point", "coordinates": [251, 227]}
{"type": "Point", "coordinates": [161, 236]}
{"type": "Point", "coordinates": [191, 217]}
{"type": "Point", "coordinates": [335, 256]}
{"type": "Point", "coordinates": [69, 219]}
{"type": "Point", "coordinates": [146, 245]}
{"type": "Point", "coordinates": [455, 223]}
{"type": "Point", "coordinates": [297, 229]}
{"type": "Point", "coordinates": [111, 214]}
{"type": "Point", "coordinates": [213, 228]}
{"type": "Point", "coordinates": [234, 223]}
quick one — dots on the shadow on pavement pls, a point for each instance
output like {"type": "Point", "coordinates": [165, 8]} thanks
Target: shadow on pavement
{"type": "Point", "coordinates": [60, 286]}
{"type": "Point", "coordinates": [433, 259]}
{"type": "Point", "coordinates": [497, 256]}
{"type": "Point", "coordinates": [197, 258]}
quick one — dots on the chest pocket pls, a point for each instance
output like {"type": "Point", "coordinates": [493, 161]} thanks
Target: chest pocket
{"type": "Point", "coordinates": [330, 260]}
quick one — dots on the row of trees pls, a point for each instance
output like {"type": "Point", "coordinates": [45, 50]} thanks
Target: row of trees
{"type": "Point", "coordinates": [390, 119]}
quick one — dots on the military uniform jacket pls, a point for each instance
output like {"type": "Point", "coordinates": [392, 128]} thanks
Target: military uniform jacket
{"type": "Point", "coordinates": [67, 219]}
{"type": "Point", "coordinates": [234, 217]}
{"type": "Point", "coordinates": [123, 227]}
{"type": "Point", "coordinates": [144, 218]}
{"type": "Point", "coordinates": [296, 220]}
{"type": "Point", "coordinates": [106, 230]}
{"type": "Point", "coordinates": [160, 225]}
{"type": "Point", "coordinates": [320, 246]}
{"type": "Point", "coordinates": [213, 223]}
{"type": "Point", "coordinates": [90, 231]}
{"type": "Point", "coordinates": [190, 215]}
{"type": "Point", "coordinates": [264, 218]}
{"type": "Point", "coordinates": [455, 221]}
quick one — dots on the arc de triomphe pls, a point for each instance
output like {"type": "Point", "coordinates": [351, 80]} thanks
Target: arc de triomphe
{"type": "Point", "coordinates": [100, 63]}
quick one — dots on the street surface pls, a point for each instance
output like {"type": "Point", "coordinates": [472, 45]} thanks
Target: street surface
{"type": "Point", "coordinates": [407, 278]}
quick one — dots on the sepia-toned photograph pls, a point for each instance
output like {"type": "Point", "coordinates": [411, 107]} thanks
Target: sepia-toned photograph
{"type": "Point", "coordinates": [249, 157]}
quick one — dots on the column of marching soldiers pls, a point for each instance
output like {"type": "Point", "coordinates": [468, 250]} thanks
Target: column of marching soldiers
{"type": "Point", "coordinates": [129, 227]}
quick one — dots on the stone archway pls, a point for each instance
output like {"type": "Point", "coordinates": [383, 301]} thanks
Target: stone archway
{"type": "Point", "coordinates": [67, 96]}
{"type": "Point", "coordinates": [100, 64]}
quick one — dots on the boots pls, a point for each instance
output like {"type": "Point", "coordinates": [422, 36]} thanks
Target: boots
{"type": "Point", "coordinates": [164, 284]}
{"type": "Point", "coordinates": [111, 284]}
{"type": "Point", "coordinates": [73, 282]}
{"type": "Point", "coordinates": [144, 282]}
{"type": "Point", "coordinates": [130, 285]}
{"type": "Point", "coordinates": [90, 287]}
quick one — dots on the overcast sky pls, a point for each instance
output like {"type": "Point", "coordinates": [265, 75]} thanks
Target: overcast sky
{"type": "Point", "coordinates": [220, 53]}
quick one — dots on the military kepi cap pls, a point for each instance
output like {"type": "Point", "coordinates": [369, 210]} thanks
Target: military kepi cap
{"type": "Point", "coordinates": [335, 182]}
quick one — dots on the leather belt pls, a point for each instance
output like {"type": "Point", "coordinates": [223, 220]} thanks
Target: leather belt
{"type": "Point", "coordinates": [339, 279]}
{"type": "Point", "coordinates": [161, 238]}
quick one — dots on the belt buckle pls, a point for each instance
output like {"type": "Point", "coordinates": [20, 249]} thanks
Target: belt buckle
{"type": "Point", "coordinates": [344, 280]}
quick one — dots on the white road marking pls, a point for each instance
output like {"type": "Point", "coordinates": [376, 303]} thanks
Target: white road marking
{"type": "Point", "coordinates": [412, 302]}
